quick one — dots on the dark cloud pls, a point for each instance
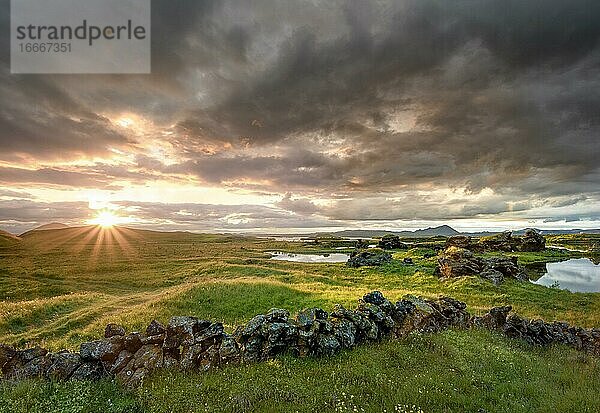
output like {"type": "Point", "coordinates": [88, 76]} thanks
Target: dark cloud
{"type": "Point", "coordinates": [21, 215]}
{"type": "Point", "coordinates": [300, 206]}
{"type": "Point", "coordinates": [206, 217]}
{"type": "Point", "coordinates": [8, 193]}
{"type": "Point", "coordinates": [373, 103]}
{"type": "Point", "coordinates": [54, 177]}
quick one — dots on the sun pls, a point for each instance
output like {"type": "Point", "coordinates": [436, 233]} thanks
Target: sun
{"type": "Point", "coordinates": [106, 219]}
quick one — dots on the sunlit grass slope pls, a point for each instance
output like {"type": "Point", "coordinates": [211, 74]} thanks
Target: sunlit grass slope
{"type": "Point", "coordinates": [59, 287]}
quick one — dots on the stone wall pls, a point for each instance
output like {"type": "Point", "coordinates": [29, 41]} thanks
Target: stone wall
{"type": "Point", "coordinates": [188, 343]}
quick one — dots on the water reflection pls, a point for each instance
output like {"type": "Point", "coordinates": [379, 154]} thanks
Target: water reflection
{"type": "Point", "coordinates": [332, 258]}
{"type": "Point", "coordinates": [576, 275]}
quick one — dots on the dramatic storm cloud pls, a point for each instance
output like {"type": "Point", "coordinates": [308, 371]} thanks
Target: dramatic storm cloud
{"type": "Point", "coordinates": [267, 115]}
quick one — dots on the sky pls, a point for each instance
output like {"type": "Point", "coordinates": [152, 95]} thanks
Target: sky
{"type": "Point", "coordinates": [287, 117]}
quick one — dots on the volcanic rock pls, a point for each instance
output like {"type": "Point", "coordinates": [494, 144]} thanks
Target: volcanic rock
{"type": "Point", "coordinates": [368, 257]}
{"type": "Point", "coordinates": [105, 350]}
{"type": "Point", "coordinates": [532, 241]}
{"type": "Point", "coordinates": [155, 328]}
{"type": "Point", "coordinates": [114, 330]}
{"type": "Point", "coordinates": [459, 262]}
{"type": "Point", "coordinates": [460, 241]}
{"type": "Point", "coordinates": [63, 365]}
{"type": "Point", "coordinates": [391, 242]}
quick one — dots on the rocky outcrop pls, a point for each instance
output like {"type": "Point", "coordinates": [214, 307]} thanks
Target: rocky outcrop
{"type": "Point", "coordinates": [506, 242]}
{"type": "Point", "coordinates": [360, 244]}
{"type": "Point", "coordinates": [532, 241]}
{"type": "Point", "coordinates": [189, 343]}
{"type": "Point", "coordinates": [459, 262]}
{"type": "Point", "coordinates": [368, 257]}
{"type": "Point", "coordinates": [391, 242]}
{"type": "Point", "coordinates": [459, 241]}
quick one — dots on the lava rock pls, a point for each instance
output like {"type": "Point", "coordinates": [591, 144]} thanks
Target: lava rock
{"type": "Point", "coordinates": [91, 370]}
{"type": "Point", "coordinates": [495, 318]}
{"type": "Point", "coordinates": [326, 345]}
{"type": "Point", "coordinates": [391, 242]}
{"type": "Point", "coordinates": [312, 332]}
{"type": "Point", "coordinates": [492, 275]}
{"type": "Point", "coordinates": [180, 331]}
{"type": "Point", "coordinates": [6, 354]}
{"type": "Point", "coordinates": [121, 361]}
{"type": "Point", "coordinates": [306, 318]}
{"type": "Point", "coordinates": [499, 242]}
{"type": "Point", "coordinates": [155, 328]}
{"type": "Point", "coordinates": [112, 330]}
{"type": "Point", "coordinates": [105, 350]}
{"type": "Point", "coordinates": [38, 367]}
{"type": "Point", "coordinates": [148, 357]}
{"type": "Point", "coordinates": [229, 351]}
{"type": "Point", "coordinates": [345, 332]}
{"type": "Point", "coordinates": [459, 262]}
{"type": "Point", "coordinates": [375, 297]}
{"type": "Point", "coordinates": [133, 342]}
{"type": "Point", "coordinates": [156, 339]}
{"type": "Point", "coordinates": [63, 365]}
{"type": "Point", "coordinates": [532, 241]}
{"type": "Point", "coordinates": [32, 353]}
{"type": "Point", "coordinates": [254, 326]}
{"type": "Point", "coordinates": [278, 314]}
{"type": "Point", "coordinates": [213, 334]}
{"type": "Point", "coordinates": [368, 257]}
{"type": "Point", "coordinates": [459, 241]}
{"type": "Point", "coordinates": [508, 266]}
{"type": "Point", "coordinates": [507, 242]}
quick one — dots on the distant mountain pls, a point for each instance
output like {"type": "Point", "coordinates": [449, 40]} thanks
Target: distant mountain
{"type": "Point", "coordinates": [566, 231]}
{"type": "Point", "coordinates": [541, 231]}
{"type": "Point", "coordinates": [443, 230]}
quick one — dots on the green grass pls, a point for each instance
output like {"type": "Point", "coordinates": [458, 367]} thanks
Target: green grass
{"type": "Point", "coordinates": [58, 288]}
{"type": "Point", "coordinates": [454, 371]}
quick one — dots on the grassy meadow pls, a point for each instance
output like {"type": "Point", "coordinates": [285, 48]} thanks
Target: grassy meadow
{"type": "Point", "coordinates": [61, 287]}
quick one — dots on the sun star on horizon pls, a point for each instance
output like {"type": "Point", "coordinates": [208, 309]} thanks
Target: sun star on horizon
{"type": "Point", "coordinates": [105, 219]}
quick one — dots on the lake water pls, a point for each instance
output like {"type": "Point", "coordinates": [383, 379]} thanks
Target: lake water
{"type": "Point", "coordinates": [332, 258]}
{"type": "Point", "coordinates": [575, 275]}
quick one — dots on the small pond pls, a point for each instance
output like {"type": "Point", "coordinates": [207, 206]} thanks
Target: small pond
{"type": "Point", "coordinates": [575, 275]}
{"type": "Point", "coordinates": [333, 258]}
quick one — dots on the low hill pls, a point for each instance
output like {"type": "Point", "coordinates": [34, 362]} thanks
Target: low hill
{"type": "Point", "coordinates": [46, 227]}
{"type": "Point", "coordinates": [79, 237]}
{"type": "Point", "coordinates": [8, 239]}
{"type": "Point", "coordinates": [52, 225]}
